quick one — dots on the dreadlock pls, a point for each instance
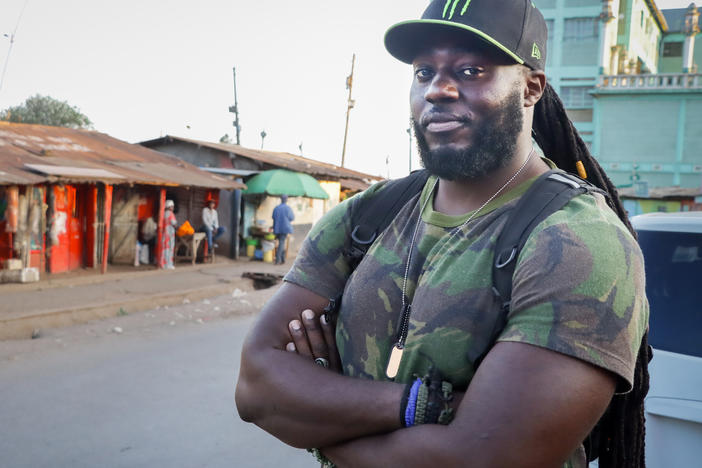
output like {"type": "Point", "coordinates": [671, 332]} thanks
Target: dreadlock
{"type": "Point", "coordinates": [619, 438]}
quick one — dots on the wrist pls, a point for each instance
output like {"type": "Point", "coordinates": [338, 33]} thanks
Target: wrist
{"type": "Point", "coordinates": [427, 401]}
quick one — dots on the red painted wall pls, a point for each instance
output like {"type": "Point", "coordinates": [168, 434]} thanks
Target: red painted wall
{"type": "Point", "coordinates": [70, 224]}
{"type": "Point", "coordinates": [58, 260]}
{"type": "Point", "coordinates": [147, 204]}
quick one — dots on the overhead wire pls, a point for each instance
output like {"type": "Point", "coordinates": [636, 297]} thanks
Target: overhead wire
{"type": "Point", "coordinates": [12, 42]}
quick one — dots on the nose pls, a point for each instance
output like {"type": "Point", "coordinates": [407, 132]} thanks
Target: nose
{"type": "Point", "coordinates": [441, 88]}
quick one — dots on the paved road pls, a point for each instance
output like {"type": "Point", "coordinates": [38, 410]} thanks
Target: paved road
{"type": "Point", "coordinates": [161, 397]}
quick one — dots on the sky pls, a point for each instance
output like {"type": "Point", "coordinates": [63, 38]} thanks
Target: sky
{"type": "Point", "coordinates": [141, 69]}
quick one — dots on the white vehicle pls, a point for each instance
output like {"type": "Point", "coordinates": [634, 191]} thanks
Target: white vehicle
{"type": "Point", "coordinates": [672, 248]}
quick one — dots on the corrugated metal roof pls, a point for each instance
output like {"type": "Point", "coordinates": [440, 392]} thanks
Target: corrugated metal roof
{"type": "Point", "coordinates": [70, 171]}
{"type": "Point", "coordinates": [279, 159]}
{"type": "Point", "coordinates": [354, 185]}
{"type": "Point", "coordinates": [233, 172]}
{"type": "Point", "coordinates": [89, 156]}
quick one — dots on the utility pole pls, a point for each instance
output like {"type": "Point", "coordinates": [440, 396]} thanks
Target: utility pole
{"type": "Point", "coordinates": [235, 110]}
{"type": "Point", "coordinates": [351, 103]}
{"type": "Point", "coordinates": [263, 137]}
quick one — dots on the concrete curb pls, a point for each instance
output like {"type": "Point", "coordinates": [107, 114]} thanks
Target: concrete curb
{"type": "Point", "coordinates": [22, 327]}
{"type": "Point", "coordinates": [60, 282]}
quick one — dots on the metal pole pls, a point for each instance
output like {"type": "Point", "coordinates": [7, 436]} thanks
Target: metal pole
{"type": "Point", "coordinates": [351, 103]}
{"type": "Point", "coordinates": [235, 110]}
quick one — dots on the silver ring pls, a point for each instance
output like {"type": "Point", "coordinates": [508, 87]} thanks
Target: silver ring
{"type": "Point", "coordinates": [322, 362]}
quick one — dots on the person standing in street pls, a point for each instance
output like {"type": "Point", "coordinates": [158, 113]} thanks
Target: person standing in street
{"type": "Point", "coordinates": [282, 217]}
{"type": "Point", "coordinates": [391, 362]}
{"type": "Point", "coordinates": [210, 224]}
{"type": "Point", "coordinates": [168, 239]}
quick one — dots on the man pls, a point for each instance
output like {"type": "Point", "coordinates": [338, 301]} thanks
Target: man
{"type": "Point", "coordinates": [421, 303]}
{"type": "Point", "coordinates": [210, 224]}
{"type": "Point", "coordinates": [282, 218]}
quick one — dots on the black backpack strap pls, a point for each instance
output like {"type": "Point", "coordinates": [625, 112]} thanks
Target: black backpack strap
{"type": "Point", "coordinates": [548, 194]}
{"type": "Point", "coordinates": [370, 217]}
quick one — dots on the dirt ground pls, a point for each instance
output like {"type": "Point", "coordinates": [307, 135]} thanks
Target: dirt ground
{"type": "Point", "coordinates": [242, 300]}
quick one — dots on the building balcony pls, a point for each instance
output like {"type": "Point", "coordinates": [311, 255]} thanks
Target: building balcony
{"type": "Point", "coordinates": [672, 82]}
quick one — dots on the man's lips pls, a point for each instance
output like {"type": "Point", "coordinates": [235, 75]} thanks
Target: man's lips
{"type": "Point", "coordinates": [438, 123]}
{"type": "Point", "coordinates": [438, 127]}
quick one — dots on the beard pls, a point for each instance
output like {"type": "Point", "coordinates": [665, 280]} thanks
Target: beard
{"type": "Point", "coordinates": [493, 147]}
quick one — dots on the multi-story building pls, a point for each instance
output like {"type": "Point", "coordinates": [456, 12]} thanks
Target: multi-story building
{"type": "Point", "coordinates": [627, 74]}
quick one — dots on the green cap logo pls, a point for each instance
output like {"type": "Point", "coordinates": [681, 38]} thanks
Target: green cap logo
{"type": "Point", "coordinates": [453, 4]}
{"type": "Point", "coordinates": [536, 52]}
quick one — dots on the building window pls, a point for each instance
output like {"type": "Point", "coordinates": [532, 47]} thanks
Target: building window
{"type": "Point", "coordinates": [576, 97]}
{"type": "Point", "coordinates": [549, 41]}
{"type": "Point", "coordinates": [672, 49]}
{"type": "Point", "coordinates": [579, 29]}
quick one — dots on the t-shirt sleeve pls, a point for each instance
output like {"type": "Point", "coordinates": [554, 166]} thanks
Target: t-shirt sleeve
{"type": "Point", "coordinates": [321, 266]}
{"type": "Point", "coordinates": [579, 289]}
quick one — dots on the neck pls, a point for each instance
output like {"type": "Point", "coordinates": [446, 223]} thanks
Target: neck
{"type": "Point", "coordinates": [458, 197]}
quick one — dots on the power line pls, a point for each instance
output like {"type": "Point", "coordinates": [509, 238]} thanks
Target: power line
{"type": "Point", "coordinates": [12, 41]}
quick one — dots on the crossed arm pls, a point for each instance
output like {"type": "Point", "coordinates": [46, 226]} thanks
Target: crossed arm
{"type": "Point", "coordinates": [526, 406]}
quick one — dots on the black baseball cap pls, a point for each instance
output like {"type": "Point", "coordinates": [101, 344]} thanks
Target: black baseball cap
{"type": "Point", "coordinates": [516, 27]}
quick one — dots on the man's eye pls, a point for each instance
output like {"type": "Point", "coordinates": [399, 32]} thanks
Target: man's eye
{"type": "Point", "coordinates": [470, 71]}
{"type": "Point", "coordinates": [422, 73]}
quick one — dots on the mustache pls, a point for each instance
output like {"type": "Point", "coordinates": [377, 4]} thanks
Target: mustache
{"type": "Point", "coordinates": [439, 115]}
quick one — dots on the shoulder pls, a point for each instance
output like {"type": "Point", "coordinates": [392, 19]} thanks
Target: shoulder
{"type": "Point", "coordinates": [586, 236]}
{"type": "Point", "coordinates": [590, 219]}
{"type": "Point", "coordinates": [579, 288]}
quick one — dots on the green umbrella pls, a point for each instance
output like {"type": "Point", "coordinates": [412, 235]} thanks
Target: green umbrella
{"type": "Point", "coordinates": [282, 182]}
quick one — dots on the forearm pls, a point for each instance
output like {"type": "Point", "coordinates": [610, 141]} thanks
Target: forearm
{"type": "Point", "coordinates": [420, 446]}
{"type": "Point", "coordinates": [429, 446]}
{"type": "Point", "coordinates": [297, 401]}
{"type": "Point", "coordinates": [306, 405]}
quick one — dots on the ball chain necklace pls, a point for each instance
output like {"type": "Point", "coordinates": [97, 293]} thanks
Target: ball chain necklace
{"type": "Point", "coordinates": [399, 347]}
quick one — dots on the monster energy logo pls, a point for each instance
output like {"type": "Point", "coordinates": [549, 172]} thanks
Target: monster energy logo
{"type": "Point", "coordinates": [453, 4]}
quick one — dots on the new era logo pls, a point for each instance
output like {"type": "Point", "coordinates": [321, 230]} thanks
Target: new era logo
{"type": "Point", "coordinates": [536, 52]}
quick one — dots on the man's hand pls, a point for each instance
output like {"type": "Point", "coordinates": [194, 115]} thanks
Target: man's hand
{"type": "Point", "coordinates": [314, 338]}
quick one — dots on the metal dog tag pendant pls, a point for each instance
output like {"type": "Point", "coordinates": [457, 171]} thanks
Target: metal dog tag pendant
{"type": "Point", "coordinates": [394, 362]}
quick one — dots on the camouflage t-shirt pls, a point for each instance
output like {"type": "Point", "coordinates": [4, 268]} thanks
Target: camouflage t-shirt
{"type": "Point", "coordinates": [578, 288]}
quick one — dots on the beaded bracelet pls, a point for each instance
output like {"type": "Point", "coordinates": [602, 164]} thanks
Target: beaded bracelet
{"type": "Point", "coordinates": [324, 462]}
{"type": "Point", "coordinates": [446, 415]}
{"type": "Point", "coordinates": [427, 401]}
{"type": "Point", "coordinates": [421, 409]}
{"type": "Point", "coordinates": [412, 403]}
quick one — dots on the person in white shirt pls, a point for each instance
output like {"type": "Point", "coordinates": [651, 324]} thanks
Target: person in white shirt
{"type": "Point", "coordinates": [210, 224]}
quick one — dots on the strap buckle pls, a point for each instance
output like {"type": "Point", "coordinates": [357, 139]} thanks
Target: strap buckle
{"type": "Point", "coordinates": [499, 263]}
{"type": "Point", "coordinates": [355, 238]}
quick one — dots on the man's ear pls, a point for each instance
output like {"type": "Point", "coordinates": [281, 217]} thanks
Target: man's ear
{"type": "Point", "coordinates": [535, 83]}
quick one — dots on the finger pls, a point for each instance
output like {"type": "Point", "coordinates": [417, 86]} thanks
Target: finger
{"type": "Point", "coordinates": [328, 330]}
{"type": "Point", "coordinates": [314, 334]}
{"type": "Point", "coordinates": [297, 332]}
{"type": "Point", "coordinates": [291, 347]}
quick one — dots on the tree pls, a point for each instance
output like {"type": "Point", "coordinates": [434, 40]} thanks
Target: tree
{"type": "Point", "coordinates": [46, 110]}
